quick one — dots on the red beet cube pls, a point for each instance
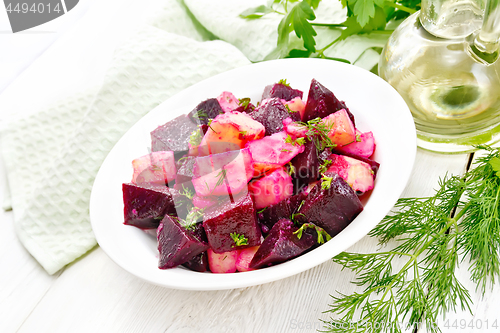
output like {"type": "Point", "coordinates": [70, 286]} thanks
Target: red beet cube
{"type": "Point", "coordinates": [321, 102]}
{"type": "Point", "coordinates": [173, 136]}
{"type": "Point", "coordinates": [271, 114]}
{"type": "Point", "coordinates": [282, 91]}
{"type": "Point", "coordinates": [333, 208]}
{"type": "Point", "coordinates": [176, 244]}
{"type": "Point", "coordinates": [281, 245]}
{"type": "Point", "coordinates": [231, 216]}
{"type": "Point", "coordinates": [204, 111]}
{"type": "Point", "coordinates": [145, 205]}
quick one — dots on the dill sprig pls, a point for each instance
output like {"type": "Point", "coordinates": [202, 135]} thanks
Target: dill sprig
{"type": "Point", "coordinates": [317, 132]}
{"type": "Point", "coordinates": [294, 142]}
{"type": "Point", "coordinates": [480, 236]}
{"type": "Point", "coordinates": [187, 192]}
{"type": "Point", "coordinates": [193, 217]}
{"type": "Point", "coordinates": [220, 177]}
{"type": "Point", "coordinates": [195, 138]}
{"type": "Point", "coordinates": [433, 235]}
{"type": "Point", "coordinates": [324, 166]}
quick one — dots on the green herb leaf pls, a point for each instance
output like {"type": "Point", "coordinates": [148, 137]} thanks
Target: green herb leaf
{"type": "Point", "coordinates": [326, 182]}
{"type": "Point", "coordinates": [195, 138]}
{"type": "Point", "coordinates": [313, 3]}
{"type": "Point", "coordinates": [296, 213]}
{"type": "Point", "coordinates": [363, 9]}
{"type": "Point", "coordinates": [239, 240]}
{"type": "Point", "coordinates": [244, 102]}
{"type": "Point", "coordinates": [302, 14]}
{"type": "Point", "coordinates": [322, 234]}
{"type": "Point", "coordinates": [495, 164]}
{"type": "Point", "coordinates": [283, 82]}
{"type": "Point", "coordinates": [186, 191]}
{"type": "Point", "coordinates": [300, 141]}
{"type": "Point", "coordinates": [433, 234]}
{"type": "Point", "coordinates": [194, 216]}
{"type": "Point", "coordinates": [317, 132]}
{"type": "Point", "coordinates": [221, 175]}
{"type": "Point", "coordinates": [324, 167]}
{"type": "Point", "coordinates": [256, 12]}
{"type": "Point", "coordinates": [291, 169]}
{"type": "Point", "coordinates": [201, 115]}
{"type": "Point", "coordinates": [210, 125]}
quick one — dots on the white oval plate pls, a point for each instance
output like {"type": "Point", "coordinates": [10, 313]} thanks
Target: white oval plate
{"type": "Point", "coordinates": [376, 106]}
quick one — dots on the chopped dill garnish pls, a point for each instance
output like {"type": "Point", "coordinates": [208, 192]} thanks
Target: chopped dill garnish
{"type": "Point", "coordinates": [324, 167]}
{"type": "Point", "coordinates": [221, 175]}
{"type": "Point", "coordinates": [210, 125]}
{"type": "Point", "coordinates": [298, 141]}
{"type": "Point", "coordinates": [317, 132]}
{"type": "Point", "coordinates": [186, 191]}
{"type": "Point", "coordinates": [322, 234]}
{"type": "Point", "coordinates": [201, 115]}
{"type": "Point", "coordinates": [193, 217]}
{"type": "Point", "coordinates": [244, 102]}
{"type": "Point", "coordinates": [290, 110]}
{"type": "Point", "coordinates": [283, 82]}
{"type": "Point", "coordinates": [238, 239]}
{"type": "Point", "coordinates": [195, 138]}
{"type": "Point", "coordinates": [326, 182]}
{"type": "Point", "coordinates": [291, 168]}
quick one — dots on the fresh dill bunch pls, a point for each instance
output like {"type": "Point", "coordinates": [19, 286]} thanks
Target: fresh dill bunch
{"type": "Point", "coordinates": [433, 235]}
{"type": "Point", "coordinates": [480, 236]}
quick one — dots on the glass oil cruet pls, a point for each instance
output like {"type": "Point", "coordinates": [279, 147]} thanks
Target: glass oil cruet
{"type": "Point", "coordinates": [443, 60]}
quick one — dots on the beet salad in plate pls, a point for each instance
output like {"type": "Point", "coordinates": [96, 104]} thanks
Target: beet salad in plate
{"type": "Point", "coordinates": [236, 186]}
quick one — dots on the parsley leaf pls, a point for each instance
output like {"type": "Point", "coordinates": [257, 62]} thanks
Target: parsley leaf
{"type": "Point", "coordinates": [302, 14]}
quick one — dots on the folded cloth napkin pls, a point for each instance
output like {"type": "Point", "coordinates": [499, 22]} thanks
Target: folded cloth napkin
{"type": "Point", "coordinates": [53, 155]}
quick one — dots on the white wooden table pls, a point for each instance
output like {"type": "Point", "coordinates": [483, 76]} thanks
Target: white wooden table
{"type": "Point", "coordinates": [95, 295]}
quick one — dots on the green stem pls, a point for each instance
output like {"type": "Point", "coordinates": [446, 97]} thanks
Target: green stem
{"type": "Point", "coordinates": [414, 257]}
{"type": "Point", "coordinates": [330, 25]}
{"type": "Point", "coordinates": [320, 52]}
{"type": "Point", "coordinates": [400, 7]}
{"type": "Point", "coordinates": [461, 213]}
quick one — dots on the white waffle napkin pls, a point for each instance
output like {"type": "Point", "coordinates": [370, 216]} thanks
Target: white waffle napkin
{"type": "Point", "coordinates": [53, 155]}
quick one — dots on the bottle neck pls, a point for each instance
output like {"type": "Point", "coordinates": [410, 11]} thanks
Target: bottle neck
{"type": "Point", "coordinates": [452, 18]}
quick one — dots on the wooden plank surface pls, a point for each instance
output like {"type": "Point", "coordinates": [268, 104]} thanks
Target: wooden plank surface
{"type": "Point", "coordinates": [95, 295]}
